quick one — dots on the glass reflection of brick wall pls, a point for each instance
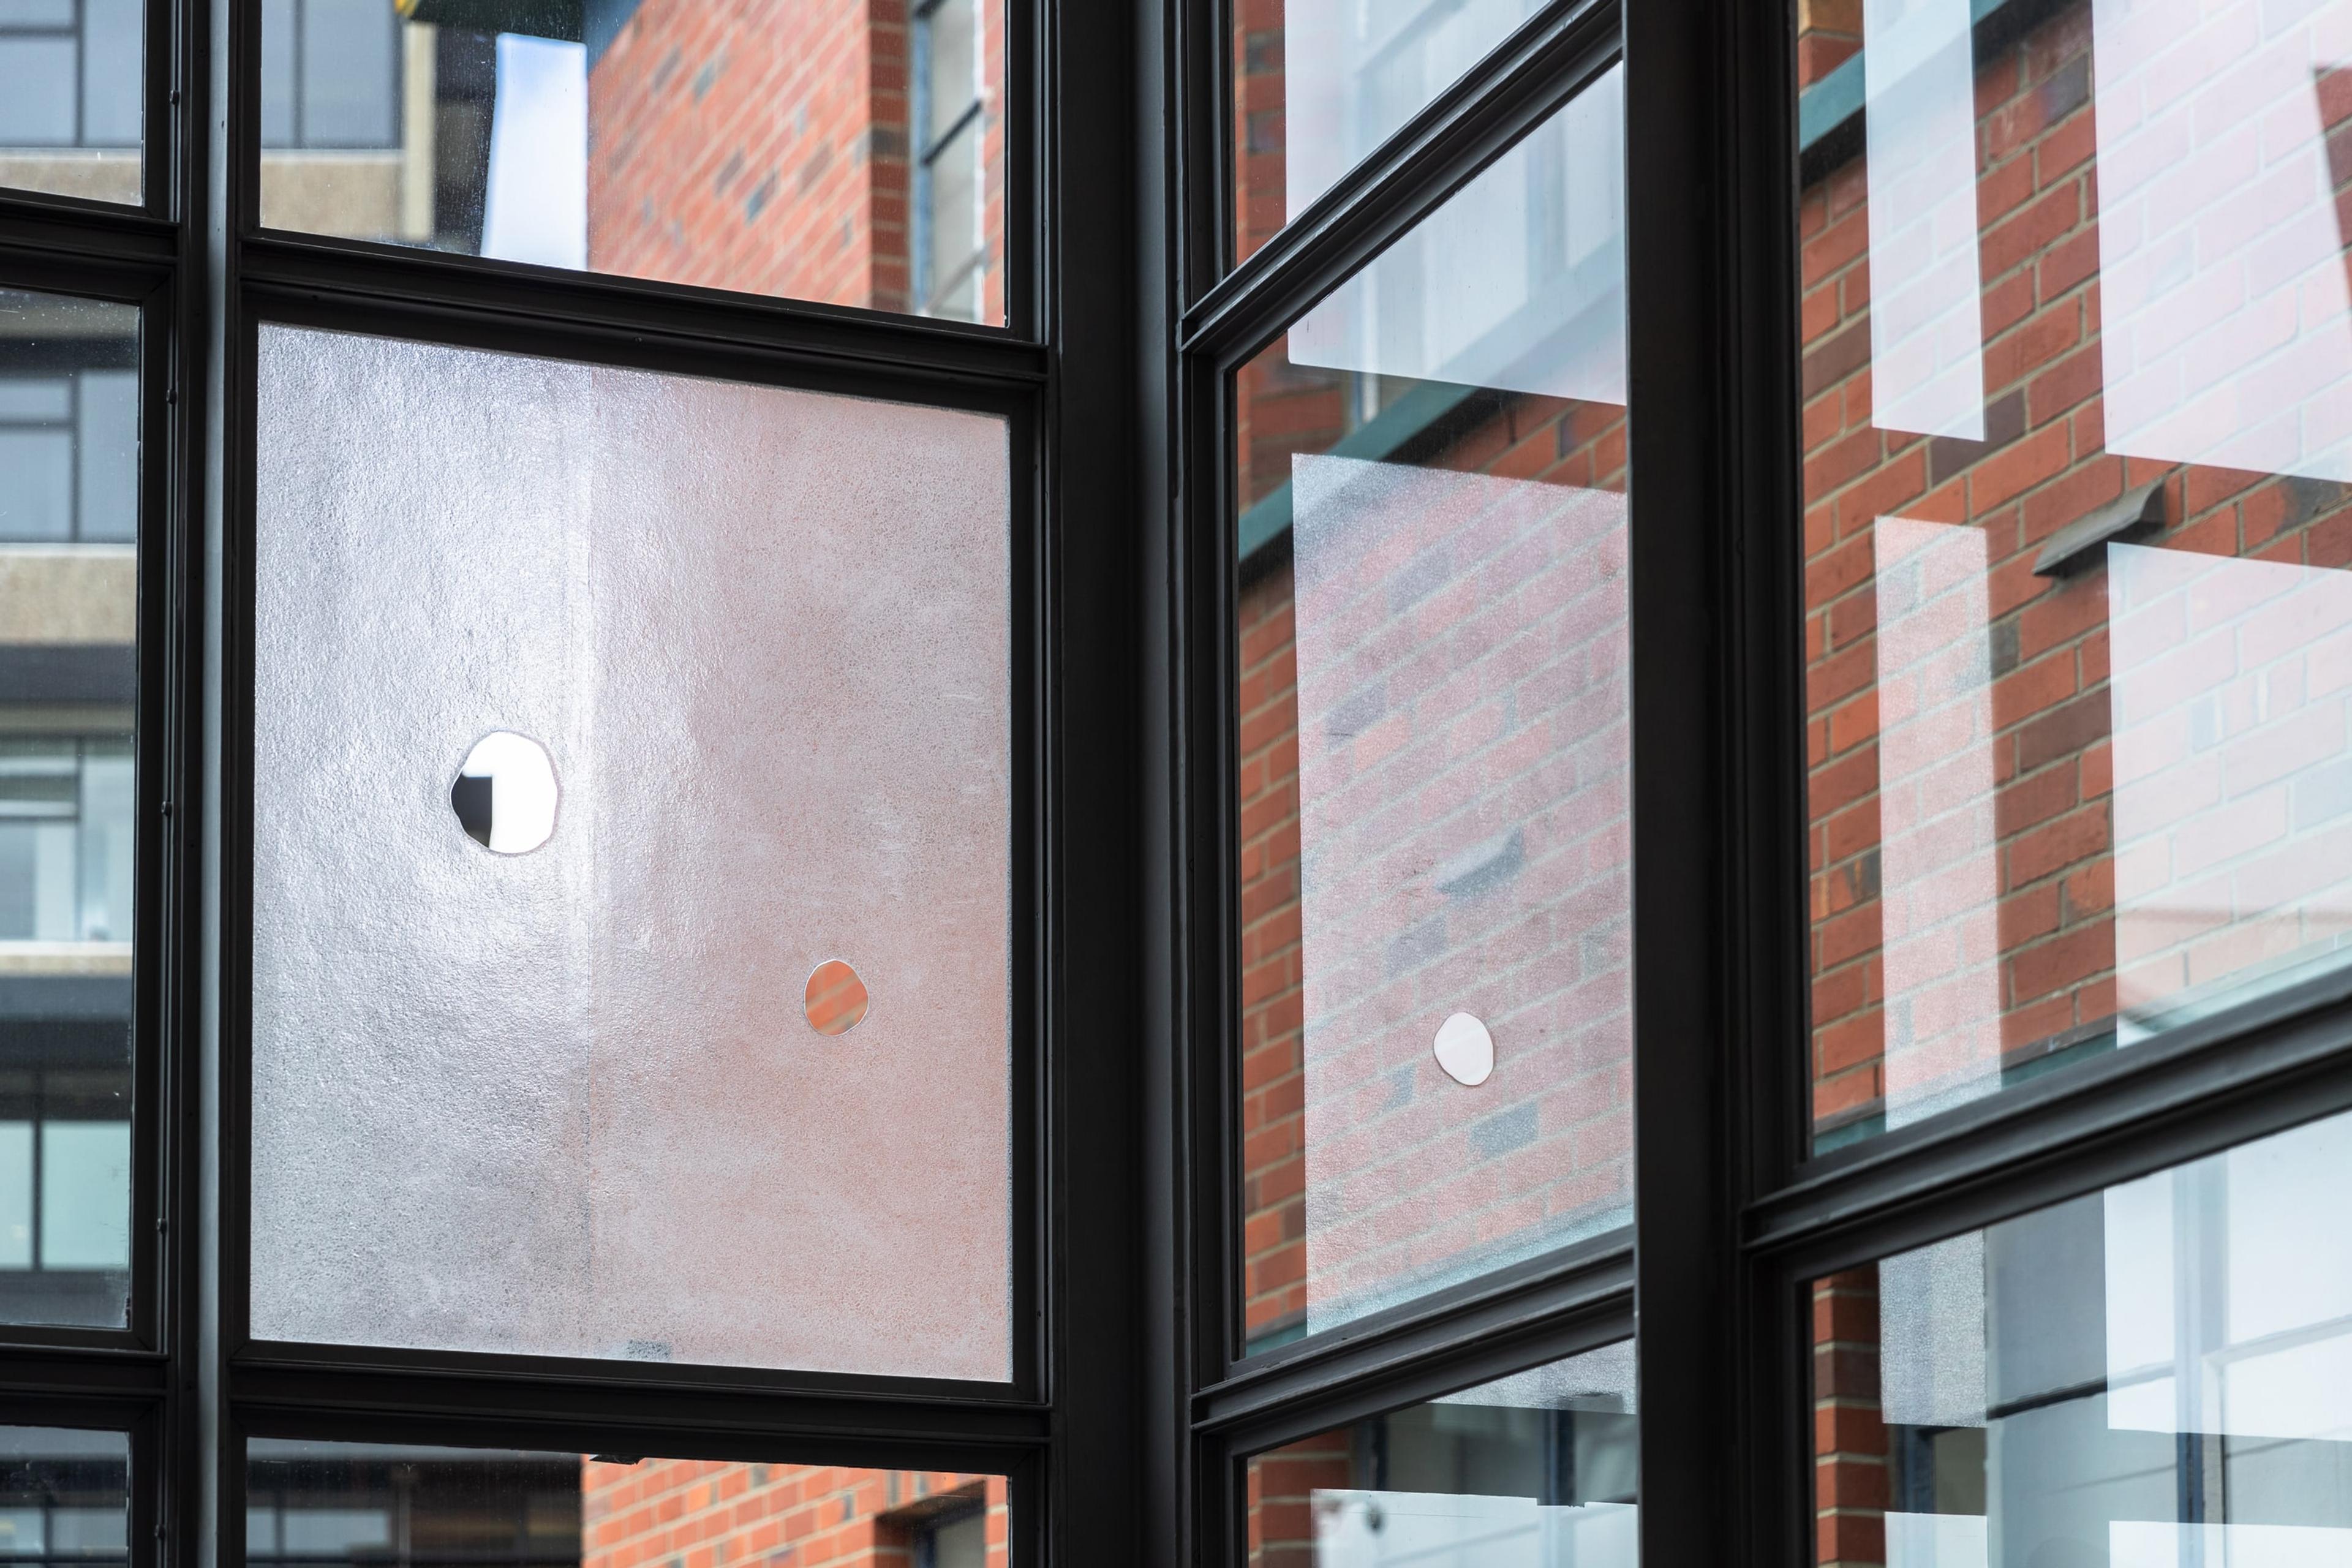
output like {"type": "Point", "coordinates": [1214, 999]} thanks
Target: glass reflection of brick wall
{"type": "Point", "coordinates": [319, 1504]}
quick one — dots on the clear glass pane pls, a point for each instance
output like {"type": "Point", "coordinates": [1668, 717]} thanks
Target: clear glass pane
{"type": "Point", "coordinates": [325, 1503]}
{"type": "Point", "coordinates": [1539, 1469]}
{"type": "Point", "coordinates": [68, 603]}
{"type": "Point", "coordinates": [2078, 476]}
{"type": "Point", "coordinates": [948, 35]}
{"type": "Point", "coordinates": [954, 262]}
{"type": "Point", "coordinates": [772, 148]}
{"type": "Point", "coordinates": [2160, 1373]}
{"type": "Point", "coordinates": [1434, 853]}
{"type": "Point", "coordinates": [72, 97]}
{"type": "Point", "coordinates": [1318, 84]}
{"type": "Point", "coordinates": [64, 1496]}
{"type": "Point", "coordinates": [553, 1089]}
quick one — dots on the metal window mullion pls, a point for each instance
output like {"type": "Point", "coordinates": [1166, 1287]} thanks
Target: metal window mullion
{"type": "Point", "coordinates": [1709, 250]}
{"type": "Point", "coordinates": [584, 315]}
{"type": "Point", "coordinates": [1577, 1310]}
{"type": "Point", "coordinates": [938, 144]}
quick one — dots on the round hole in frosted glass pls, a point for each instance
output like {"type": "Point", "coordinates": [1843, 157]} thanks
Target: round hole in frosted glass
{"type": "Point", "coordinates": [506, 792]}
{"type": "Point", "coordinates": [835, 999]}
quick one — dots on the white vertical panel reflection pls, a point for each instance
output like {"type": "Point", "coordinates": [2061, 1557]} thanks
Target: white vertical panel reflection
{"type": "Point", "coordinates": [1927, 329]}
{"type": "Point", "coordinates": [2231, 698]}
{"type": "Point", "coordinates": [2228, 336]}
{"type": "Point", "coordinates": [1354, 73]}
{"type": "Point", "coordinates": [535, 205]}
{"type": "Point", "coordinates": [1517, 282]}
{"type": "Point", "coordinates": [1936, 1541]}
{"type": "Point", "coordinates": [1940, 854]}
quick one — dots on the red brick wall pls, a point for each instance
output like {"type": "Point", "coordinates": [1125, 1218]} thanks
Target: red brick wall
{"type": "Point", "coordinates": [2045, 467]}
{"type": "Point", "coordinates": [1260, 201]}
{"type": "Point", "coordinates": [1850, 1466]}
{"type": "Point", "coordinates": [694, 1513]}
{"type": "Point", "coordinates": [1287, 409]}
{"type": "Point", "coordinates": [1273, 1075]}
{"type": "Point", "coordinates": [764, 145]}
{"type": "Point", "coordinates": [1281, 1491]}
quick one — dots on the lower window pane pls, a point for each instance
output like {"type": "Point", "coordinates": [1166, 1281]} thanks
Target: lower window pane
{"type": "Point", "coordinates": [64, 1496]}
{"type": "Point", "coordinates": [69, 804]}
{"type": "Point", "coordinates": [1533, 1471]}
{"type": "Point", "coordinates": [2158, 1374]}
{"type": "Point", "coordinates": [321, 1503]}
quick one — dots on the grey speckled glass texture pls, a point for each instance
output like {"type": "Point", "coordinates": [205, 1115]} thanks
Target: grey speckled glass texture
{"type": "Point", "coordinates": [566, 1103]}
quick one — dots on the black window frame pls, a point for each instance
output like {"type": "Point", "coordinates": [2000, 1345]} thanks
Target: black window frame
{"type": "Point", "coordinates": [1133, 1410]}
{"type": "Point", "coordinates": [1735, 1217]}
{"type": "Point", "coordinates": [183, 1378]}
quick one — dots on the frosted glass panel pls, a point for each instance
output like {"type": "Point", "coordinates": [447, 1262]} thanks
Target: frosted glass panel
{"type": "Point", "coordinates": [567, 1101]}
{"type": "Point", "coordinates": [1318, 85]}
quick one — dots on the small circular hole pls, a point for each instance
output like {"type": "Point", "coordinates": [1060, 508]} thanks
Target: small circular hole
{"type": "Point", "coordinates": [505, 795]}
{"type": "Point", "coordinates": [835, 1000]}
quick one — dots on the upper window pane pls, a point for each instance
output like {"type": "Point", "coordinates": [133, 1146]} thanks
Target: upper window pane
{"type": "Point", "coordinates": [69, 840]}
{"type": "Point", "coordinates": [71, 97]}
{"type": "Point", "coordinates": [799, 148]}
{"type": "Point", "coordinates": [1317, 84]}
{"type": "Point", "coordinates": [2158, 1375]}
{"type": "Point", "coordinates": [1539, 1469]}
{"type": "Point", "coordinates": [2078, 478]}
{"type": "Point", "coordinates": [632, 817]}
{"type": "Point", "coordinates": [1436, 863]}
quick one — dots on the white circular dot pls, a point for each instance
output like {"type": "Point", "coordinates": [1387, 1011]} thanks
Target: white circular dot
{"type": "Point", "coordinates": [1465, 1049]}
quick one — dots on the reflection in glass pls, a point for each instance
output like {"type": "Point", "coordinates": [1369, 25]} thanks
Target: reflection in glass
{"type": "Point", "coordinates": [320, 1504]}
{"type": "Point", "coordinates": [1318, 84]}
{"type": "Point", "coordinates": [68, 844]}
{"type": "Point", "coordinates": [819, 150]}
{"type": "Point", "coordinates": [2078, 475]}
{"type": "Point", "coordinates": [72, 97]}
{"type": "Point", "coordinates": [565, 1103]}
{"type": "Point", "coordinates": [1535, 1471]}
{"type": "Point", "coordinates": [1431, 473]}
{"type": "Point", "coordinates": [835, 999]}
{"type": "Point", "coordinates": [2160, 1373]}
{"type": "Point", "coordinates": [64, 1497]}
